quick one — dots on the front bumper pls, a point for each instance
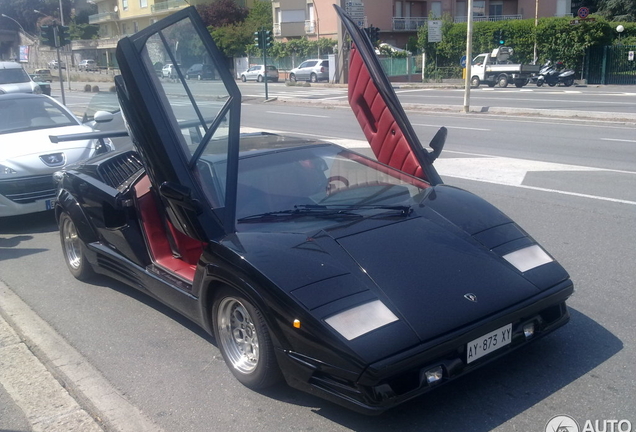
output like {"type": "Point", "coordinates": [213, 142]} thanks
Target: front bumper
{"type": "Point", "coordinates": [401, 377]}
{"type": "Point", "coordinates": [26, 195]}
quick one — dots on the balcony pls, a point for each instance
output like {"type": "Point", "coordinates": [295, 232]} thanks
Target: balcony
{"type": "Point", "coordinates": [103, 17]}
{"type": "Point", "coordinates": [167, 5]}
{"type": "Point", "coordinates": [461, 19]}
{"type": "Point", "coordinates": [408, 24]}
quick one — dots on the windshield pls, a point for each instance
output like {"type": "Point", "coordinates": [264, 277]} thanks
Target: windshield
{"type": "Point", "coordinates": [30, 113]}
{"type": "Point", "coordinates": [13, 75]}
{"type": "Point", "coordinates": [319, 178]}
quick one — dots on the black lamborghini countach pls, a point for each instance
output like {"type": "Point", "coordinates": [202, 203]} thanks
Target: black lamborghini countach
{"type": "Point", "coordinates": [364, 281]}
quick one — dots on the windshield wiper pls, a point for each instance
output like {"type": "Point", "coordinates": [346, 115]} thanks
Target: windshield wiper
{"type": "Point", "coordinates": [404, 210]}
{"type": "Point", "coordinates": [299, 211]}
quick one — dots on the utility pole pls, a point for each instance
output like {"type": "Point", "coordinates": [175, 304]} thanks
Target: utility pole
{"type": "Point", "coordinates": [469, 55]}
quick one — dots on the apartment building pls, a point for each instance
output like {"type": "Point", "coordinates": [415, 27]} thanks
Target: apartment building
{"type": "Point", "coordinates": [398, 19]}
{"type": "Point", "coordinates": [117, 18]}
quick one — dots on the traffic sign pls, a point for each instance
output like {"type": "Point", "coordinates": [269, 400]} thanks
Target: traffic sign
{"type": "Point", "coordinates": [462, 61]}
{"type": "Point", "coordinates": [583, 12]}
{"type": "Point", "coordinates": [434, 30]}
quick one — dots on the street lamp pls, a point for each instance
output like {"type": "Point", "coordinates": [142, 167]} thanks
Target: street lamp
{"type": "Point", "coordinates": [619, 28]}
{"type": "Point", "coordinates": [22, 28]}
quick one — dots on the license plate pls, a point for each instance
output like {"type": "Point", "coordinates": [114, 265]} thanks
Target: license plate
{"type": "Point", "coordinates": [49, 203]}
{"type": "Point", "coordinates": [488, 343]}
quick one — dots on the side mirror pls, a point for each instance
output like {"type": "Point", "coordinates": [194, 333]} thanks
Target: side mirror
{"type": "Point", "coordinates": [437, 144]}
{"type": "Point", "coordinates": [103, 117]}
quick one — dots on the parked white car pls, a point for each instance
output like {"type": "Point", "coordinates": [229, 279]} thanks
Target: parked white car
{"type": "Point", "coordinates": [28, 158]}
{"type": "Point", "coordinates": [87, 65]}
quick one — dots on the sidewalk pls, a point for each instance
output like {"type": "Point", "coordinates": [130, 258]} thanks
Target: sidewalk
{"type": "Point", "coordinates": [46, 385]}
{"type": "Point", "coordinates": [31, 399]}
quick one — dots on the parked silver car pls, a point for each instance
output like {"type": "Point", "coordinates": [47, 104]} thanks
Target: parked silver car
{"type": "Point", "coordinates": [256, 73]}
{"type": "Point", "coordinates": [313, 70]}
{"type": "Point", "coordinates": [14, 79]}
{"type": "Point", "coordinates": [88, 65]}
{"type": "Point", "coordinates": [28, 156]}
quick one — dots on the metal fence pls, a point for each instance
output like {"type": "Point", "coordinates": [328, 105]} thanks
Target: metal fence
{"type": "Point", "coordinates": [615, 64]}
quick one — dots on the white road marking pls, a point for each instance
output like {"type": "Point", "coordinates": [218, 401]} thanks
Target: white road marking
{"type": "Point", "coordinates": [296, 114]}
{"type": "Point", "coordinates": [452, 127]}
{"type": "Point", "coordinates": [619, 140]}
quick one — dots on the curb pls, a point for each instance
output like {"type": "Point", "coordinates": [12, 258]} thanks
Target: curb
{"type": "Point", "coordinates": [52, 383]}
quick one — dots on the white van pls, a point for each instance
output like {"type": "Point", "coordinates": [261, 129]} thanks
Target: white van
{"type": "Point", "coordinates": [14, 79]}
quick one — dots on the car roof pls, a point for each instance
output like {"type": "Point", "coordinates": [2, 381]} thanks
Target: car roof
{"type": "Point", "coordinates": [10, 65]}
{"type": "Point", "coordinates": [21, 96]}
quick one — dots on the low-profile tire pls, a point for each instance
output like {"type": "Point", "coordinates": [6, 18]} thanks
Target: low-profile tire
{"type": "Point", "coordinates": [292, 78]}
{"type": "Point", "coordinates": [313, 78]}
{"type": "Point", "coordinates": [475, 82]}
{"type": "Point", "coordinates": [74, 249]}
{"type": "Point", "coordinates": [539, 83]}
{"type": "Point", "coordinates": [259, 78]}
{"type": "Point", "coordinates": [502, 81]}
{"type": "Point", "coordinates": [243, 338]}
{"type": "Point", "coordinates": [243, 78]}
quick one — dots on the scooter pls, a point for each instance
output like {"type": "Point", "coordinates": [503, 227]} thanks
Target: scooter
{"type": "Point", "coordinates": [553, 75]}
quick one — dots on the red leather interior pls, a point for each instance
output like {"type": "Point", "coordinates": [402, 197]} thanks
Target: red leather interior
{"type": "Point", "coordinates": [378, 124]}
{"type": "Point", "coordinates": [190, 249]}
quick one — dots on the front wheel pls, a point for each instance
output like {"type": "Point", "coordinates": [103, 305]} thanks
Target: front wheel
{"type": "Point", "coordinates": [243, 78]}
{"type": "Point", "coordinates": [74, 249]}
{"type": "Point", "coordinates": [292, 78]}
{"type": "Point", "coordinates": [244, 340]}
{"type": "Point", "coordinates": [259, 78]}
{"type": "Point", "coordinates": [313, 78]}
{"type": "Point", "coordinates": [475, 82]}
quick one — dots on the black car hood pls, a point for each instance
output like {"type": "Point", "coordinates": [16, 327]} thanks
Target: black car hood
{"type": "Point", "coordinates": [421, 267]}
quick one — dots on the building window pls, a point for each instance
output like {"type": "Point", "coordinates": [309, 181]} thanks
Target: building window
{"type": "Point", "coordinates": [461, 9]}
{"type": "Point", "coordinates": [398, 9]}
{"type": "Point", "coordinates": [495, 8]}
{"type": "Point", "coordinates": [479, 8]}
{"type": "Point", "coordinates": [436, 9]}
{"type": "Point", "coordinates": [124, 4]}
{"type": "Point", "coordinates": [143, 3]}
{"type": "Point", "coordinates": [135, 26]}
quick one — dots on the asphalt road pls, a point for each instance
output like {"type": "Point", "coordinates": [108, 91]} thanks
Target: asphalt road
{"type": "Point", "coordinates": [570, 184]}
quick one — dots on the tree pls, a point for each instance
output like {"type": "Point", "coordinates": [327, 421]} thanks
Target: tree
{"type": "Point", "coordinates": [236, 38]}
{"type": "Point", "coordinates": [221, 13]}
{"type": "Point", "coordinates": [618, 10]}
{"type": "Point", "coordinates": [22, 11]}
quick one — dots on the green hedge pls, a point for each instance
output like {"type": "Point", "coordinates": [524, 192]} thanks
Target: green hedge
{"type": "Point", "coordinates": [557, 39]}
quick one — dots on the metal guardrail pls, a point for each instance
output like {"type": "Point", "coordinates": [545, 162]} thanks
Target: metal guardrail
{"type": "Point", "coordinates": [167, 5]}
{"type": "Point", "coordinates": [407, 24]}
{"type": "Point", "coordinates": [101, 17]}
{"type": "Point", "coordinates": [461, 19]}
